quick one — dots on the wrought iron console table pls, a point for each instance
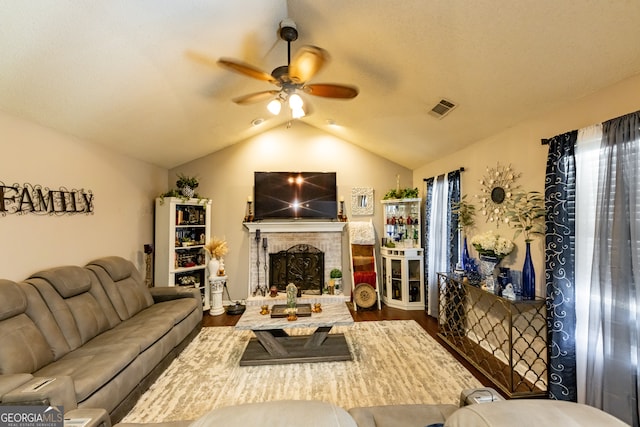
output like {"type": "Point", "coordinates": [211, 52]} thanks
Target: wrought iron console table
{"type": "Point", "coordinates": [504, 339]}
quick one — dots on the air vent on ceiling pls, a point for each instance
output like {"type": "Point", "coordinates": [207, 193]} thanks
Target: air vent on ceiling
{"type": "Point", "coordinates": [442, 108]}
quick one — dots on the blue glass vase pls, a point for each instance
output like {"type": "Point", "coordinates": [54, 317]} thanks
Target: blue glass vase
{"type": "Point", "coordinates": [466, 265]}
{"type": "Point", "coordinates": [528, 276]}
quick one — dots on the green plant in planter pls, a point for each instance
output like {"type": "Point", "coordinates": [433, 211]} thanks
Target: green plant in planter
{"type": "Point", "coordinates": [406, 193]}
{"type": "Point", "coordinates": [335, 273]}
{"type": "Point", "coordinates": [187, 181]}
{"type": "Point", "coordinates": [186, 186]}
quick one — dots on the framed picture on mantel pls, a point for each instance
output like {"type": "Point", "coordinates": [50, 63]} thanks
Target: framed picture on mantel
{"type": "Point", "coordinates": [361, 201]}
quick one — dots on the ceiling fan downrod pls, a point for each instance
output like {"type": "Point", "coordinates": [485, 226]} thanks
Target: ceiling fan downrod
{"type": "Point", "coordinates": [288, 32]}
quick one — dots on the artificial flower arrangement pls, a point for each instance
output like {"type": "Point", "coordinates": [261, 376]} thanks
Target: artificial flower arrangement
{"type": "Point", "coordinates": [526, 214]}
{"type": "Point", "coordinates": [217, 248]}
{"type": "Point", "coordinates": [466, 214]}
{"type": "Point", "coordinates": [492, 245]}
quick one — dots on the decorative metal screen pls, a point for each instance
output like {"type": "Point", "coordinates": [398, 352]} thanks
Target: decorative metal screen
{"type": "Point", "coordinates": [302, 265]}
{"type": "Point", "coordinates": [504, 339]}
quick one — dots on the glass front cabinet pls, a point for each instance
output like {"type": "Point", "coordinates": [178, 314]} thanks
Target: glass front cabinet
{"type": "Point", "coordinates": [402, 255]}
{"type": "Point", "coordinates": [182, 229]}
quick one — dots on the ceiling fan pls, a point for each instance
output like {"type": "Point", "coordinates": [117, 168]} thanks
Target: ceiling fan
{"type": "Point", "coordinates": [290, 78]}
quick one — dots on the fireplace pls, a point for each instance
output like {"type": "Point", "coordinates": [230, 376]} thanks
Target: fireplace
{"type": "Point", "coordinates": [302, 252]}
{"type": "Point", "coordinates": [302, 265]}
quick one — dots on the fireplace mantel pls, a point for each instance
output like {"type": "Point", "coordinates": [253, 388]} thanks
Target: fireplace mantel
{"type": "Point", "coordinates": [295, 226]}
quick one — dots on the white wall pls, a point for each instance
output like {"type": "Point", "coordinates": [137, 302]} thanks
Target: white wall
{"type": "Point", "coordinates": [124, 190]}
{"type": "Point", "coordinates": [520, 146]}
{"type": "Point", "coordinates": [226, 177]}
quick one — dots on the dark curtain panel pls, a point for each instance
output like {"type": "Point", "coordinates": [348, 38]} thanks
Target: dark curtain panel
{"type": "Point", "coordinates": [614, 310]}
{"type": "Point", "coordinates": [560, 190]}
{"type": "Point", "coordinates": [453, 179]}
{"type": "Point", "coordinates": [428, 192]}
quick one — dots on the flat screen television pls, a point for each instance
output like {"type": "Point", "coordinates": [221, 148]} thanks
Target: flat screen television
{"type": "Point", "coordinates": [292, 195]}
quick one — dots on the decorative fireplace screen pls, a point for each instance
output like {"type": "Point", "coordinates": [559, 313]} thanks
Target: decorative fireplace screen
{"type": "Point", "coordinates": [302, 265]}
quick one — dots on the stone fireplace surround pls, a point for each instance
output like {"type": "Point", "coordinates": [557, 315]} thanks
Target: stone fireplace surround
{"type": "Point", "coordinates": [282, 235]}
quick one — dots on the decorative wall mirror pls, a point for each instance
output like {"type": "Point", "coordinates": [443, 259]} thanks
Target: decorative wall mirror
{"type": "Point", "coordinates": [362, 201]}
{"type": "Point", "coordinates": [496, 189]}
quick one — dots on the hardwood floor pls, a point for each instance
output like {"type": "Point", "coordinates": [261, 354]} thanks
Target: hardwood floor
{"type": "Point", "coordinates": [428, 323]}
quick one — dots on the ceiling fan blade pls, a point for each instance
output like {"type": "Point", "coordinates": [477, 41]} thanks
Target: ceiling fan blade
{"type": "Point", "coordinates": [246, 69]}
{"type": "Point", "coordinates": [306, 63]}
{"type": "Point", "coordinates": [255, 97]}
{"type": "Point", "coordinates": [331, 90]}
{"type": "Point", "coordinates": [199, 57]}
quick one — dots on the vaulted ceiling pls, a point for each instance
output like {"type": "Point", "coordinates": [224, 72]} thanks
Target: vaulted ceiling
{"type": "Point", "coordinates": [126, 73]}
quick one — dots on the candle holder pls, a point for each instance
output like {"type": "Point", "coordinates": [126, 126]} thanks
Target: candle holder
{"type": "Point", "coordinates": [249, 216]}
{"type": "Point", "coordinates": [341, 216]}
{"type": "Point", "coordinates": [292, 314]}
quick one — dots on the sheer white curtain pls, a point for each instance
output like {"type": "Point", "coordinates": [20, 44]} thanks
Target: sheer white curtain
{"type": "Point", "coordinates": [587, 159]}
{"type": "Point", "coordinates": [607, 267]}
{"type": "Point", "coordinates": [437, 262]}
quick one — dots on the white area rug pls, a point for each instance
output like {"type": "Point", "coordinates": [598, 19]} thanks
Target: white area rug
{"type": "Point", "coordinates": [395, 362]}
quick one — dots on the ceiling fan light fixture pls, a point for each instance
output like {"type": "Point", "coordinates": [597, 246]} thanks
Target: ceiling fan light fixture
{"type": "Point", "coordinates": [297, 113]}
{"type": "Point", "coordinates": [295, 102]}
{"type": "Point", "coordinates": [274, 106]}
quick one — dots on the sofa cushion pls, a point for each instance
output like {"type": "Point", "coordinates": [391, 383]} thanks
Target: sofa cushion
{"type": "Point", "coordinates": [285, 413]}
{"type": "Point", "coordinates": [416, 415]}
{"type": "Point", "coordinates": [531, 412]}
{"type": "Point", "coordinates": [12, 300]}
{"type": "Point", "coordinates": [123, 285]}
{"type": "Point", "coordinates": [38, 311]}
{"type": "Point", "coordinates": [91, 368]}
{"type": "Point", "coordinates": [69, 281]}
{"type": "Point", "coordinates": [174, 310]}
{"type": "Point", "coordinates": [140, 331]}
{"type": "Point", "coordinates": [23, 348]}
{"type": "Point", "coordinates": [78, 314]}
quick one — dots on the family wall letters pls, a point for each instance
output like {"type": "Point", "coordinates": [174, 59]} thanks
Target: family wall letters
{"type": "Point", "coordinates": [27, 198]}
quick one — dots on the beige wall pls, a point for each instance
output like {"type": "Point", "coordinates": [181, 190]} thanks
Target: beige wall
{"type": "Point", "coordinates": [227, 178]}
{"type": "Point", "coordinates": [123, 188]}
{"type": "Point", "coordinates": [520, 146]}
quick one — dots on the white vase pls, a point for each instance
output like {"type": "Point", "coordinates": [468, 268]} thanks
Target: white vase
{"type": "Point", "coordinates": [187, 191]}
{"type": "Point", "coordinates": [214, 266]}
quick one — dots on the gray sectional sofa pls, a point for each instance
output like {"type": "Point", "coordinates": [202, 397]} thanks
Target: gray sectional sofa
{"type": "Point", "coordinates": [90, 337]}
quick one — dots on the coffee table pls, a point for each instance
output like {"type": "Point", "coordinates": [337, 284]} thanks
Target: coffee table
{"type": "Point", "coordinates": [272, 345]}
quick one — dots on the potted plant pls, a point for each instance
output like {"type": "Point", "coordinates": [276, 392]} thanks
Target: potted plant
{"type": "Point", "coordinates": [406, 193]}
{"type": "Point", "coordinates": [336, 279]}
{"type": "Point", "coordinates": [217, 249]}
{"type": "Point", "coordinates": [187, 184]}
{"type": "Point", "coordinates": [186, 189]}
{"type": "Point", "coordinates": [466, 219]}
{"type": "Point", "coordinates": [526, 213]}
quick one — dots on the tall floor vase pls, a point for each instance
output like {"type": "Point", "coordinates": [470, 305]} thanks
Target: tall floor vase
{"type": "Point", "coordinates": [528, 276]}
